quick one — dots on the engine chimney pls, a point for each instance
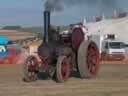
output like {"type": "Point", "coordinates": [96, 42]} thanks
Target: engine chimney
{"type": "Point", "coordinates": [46, 26]}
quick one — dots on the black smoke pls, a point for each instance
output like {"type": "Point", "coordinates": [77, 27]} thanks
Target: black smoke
{"type": "Point", "coordinates": [53, 5]}
{"type": "Point", "coordinates": [102, 5]}
{"type": "Point", "coordinates": [85, 8]}
{"type": "Point", "coordinates": [105, 2]}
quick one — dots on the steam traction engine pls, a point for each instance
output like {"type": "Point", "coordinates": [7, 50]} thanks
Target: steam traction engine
{"type": "Point", "coordinates": [59, 54]}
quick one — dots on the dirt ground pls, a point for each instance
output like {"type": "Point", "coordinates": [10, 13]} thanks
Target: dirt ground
{"type": "Point", "coordinates": [112, 80]}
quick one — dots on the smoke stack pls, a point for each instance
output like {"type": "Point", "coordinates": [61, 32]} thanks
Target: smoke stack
{"type": "Point", "coordinates": [46, 26]}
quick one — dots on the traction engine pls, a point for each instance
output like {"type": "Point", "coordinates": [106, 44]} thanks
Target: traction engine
{"type": "Point", "coordinates": [61, 53]}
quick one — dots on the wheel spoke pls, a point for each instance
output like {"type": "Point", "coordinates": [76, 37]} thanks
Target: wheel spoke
{"type": "Point", "coordinates": [65, 68]}
{"type": "Point", "coordinates": [31, 68]}
{"type": "Point", "coordinates": [92, 57]}
{"type": "Point", "coordinates": [33, 63]}
{"type": "Point", "coordinates": [93, 69]}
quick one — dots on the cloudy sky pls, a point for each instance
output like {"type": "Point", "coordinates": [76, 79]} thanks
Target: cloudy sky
{"type": "Point", "coordinates": [30, 12]}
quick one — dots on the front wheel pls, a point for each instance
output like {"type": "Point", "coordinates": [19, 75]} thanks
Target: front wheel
{"type": "Point", "coordinates": [63, 68]}
{"type": "Point", "coordinates": [30, 69]}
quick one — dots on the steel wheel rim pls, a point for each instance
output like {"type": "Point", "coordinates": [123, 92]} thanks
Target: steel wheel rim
{"type": "Point", "coordinates": [92, 59]}
{"type": "Point", "coordinates": [65, 69]}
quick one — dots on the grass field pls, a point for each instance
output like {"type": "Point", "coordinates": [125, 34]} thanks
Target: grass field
{"type": "Point", "coordinates": [112, 80]}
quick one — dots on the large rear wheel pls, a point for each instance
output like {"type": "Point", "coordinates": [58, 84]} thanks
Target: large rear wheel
{"type": "Point", "coordinates": [63, 68]}
{"type": "Point", "coordinates": [88, 59]}
{"type": "Point", "coordinates": [30, 69]}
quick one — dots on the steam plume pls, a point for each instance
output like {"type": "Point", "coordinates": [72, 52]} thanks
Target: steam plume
{"type": "Point", "coordinates": [97, 7]}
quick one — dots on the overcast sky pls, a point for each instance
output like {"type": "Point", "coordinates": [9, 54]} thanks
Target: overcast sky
{"type": "Point", "coordinates": [30, 12]}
